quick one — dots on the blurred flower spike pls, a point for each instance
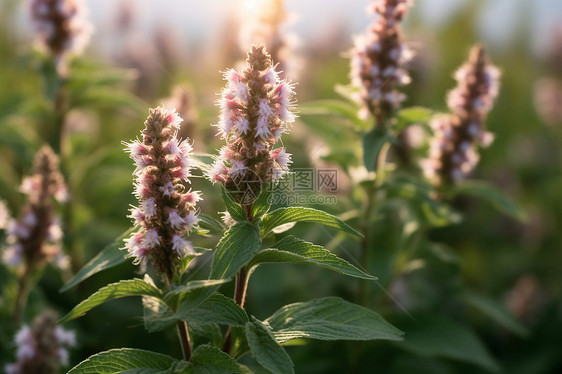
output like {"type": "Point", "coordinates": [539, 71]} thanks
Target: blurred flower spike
{"type": "Point", "coordinates": [61, 28]}
{"type": "Point", "coordinates": [41, 348]}
{"type": "Point", "coordinates": [378, 58]}
{"type": "Point", "coordinates": [35, 238]}
{"type": "Point", "coordinates": [453, 148]}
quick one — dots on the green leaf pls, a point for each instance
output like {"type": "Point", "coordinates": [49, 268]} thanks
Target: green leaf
{"type": "Point", "coordinates": [409, 116]}
{"type": "Point", "coordinates": [193, 285]}
{"type": "Point", "coordinates": [297, 251]}
{"type": "Point", "coordinates": [282, 216]}
{"type": "Point", "coordinates": [438, 337]}
{"type": "Point", "coordinates": [372, 144]}
{"type": "Point", "coordinates": [333, 107]}
{"type": "Point", "coordinates": [236, 211]}
{"type": "Point", "coordinates": [266, 350]}
{"type": "Point", "coordinates": [121, 360]}
{"type": "Point", "coordinates": [236, 248]}
{"type": "Point", "coordinates": [132, 287]}
{"type": "Point", "coordinates": [156, 315]}
{"type": "Point", "coordinates": [212, 224]}
{"type": "Point", "coordinates": [207, 359]}
{"type": "Point", "coordinates": [215, 309]}
{"type": "Point", "coordinates": [180, 305]}
{"type": "Point", "coordinates": [109, 257]}
{"type": "Point", "coordinates": [497, 312]}
{"type": "Point", "coordinates": [330, 318]}
{"type": "Point", "coordinates": [263, 202]}
{"type": "Point", "coordinates": [493, 196]}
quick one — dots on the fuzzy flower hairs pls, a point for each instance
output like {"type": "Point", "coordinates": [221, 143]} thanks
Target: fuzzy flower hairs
{"type": "Point", "coordinates": [256, 108]}
{"type": "Point", "coordinates": [453, 149]}
{"type": "Point", "coordinates": [377, 60]}
{"type": "Point", "coordinates": [166, 211]}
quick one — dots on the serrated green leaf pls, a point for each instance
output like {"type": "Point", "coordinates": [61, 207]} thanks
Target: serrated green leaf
{"type": "Point", "coordinates": [179, 306]}
{"type": "Point", "coordinates": [215, 309]}
{"type": "Point", "coordinates": [438, 337]}
{"type": "Point", "coordinates": [266, 350]}
{"type": "Point", "coordinates": [330, 318]}
{"type": "Point", "coordinates": [373, 142]}
{"type": "Point", "coordinates": [132, 287]}
{"type": "Point", "coordinates": [156, 315]}
{"type": "Point", "coordinates": [236, 211]}
{"type": "Point", "coordinates": [207, 359]}
{"type": "Point", "coordinates": [212, 224]}
{"type": "Point", "coordinates": [497, 312]}
{"type": "Point", "coordinates": [282, 216]}
{"type": "Point", "coordinates": [412, 115]}
{"type": "Point", "coordinates": [297, 251]}
{"type": "Point", "coordinates": [334, 107]}
{"type": "Point", "coordinates": [109, 257]}
{"type": "Point", "coordinates": [120, 360]}
{"type": "Point", "coordinates": [493, 196]}
{"type": "Point", "coordinates": [263, 202]}
{"type": "Point", "coordinates": [236, 248]}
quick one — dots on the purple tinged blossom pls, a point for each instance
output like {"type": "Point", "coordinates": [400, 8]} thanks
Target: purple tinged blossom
{"type": "Point", "coordinates": [42, 347]}
{"type": "Point", "coordinates": [453, 148]}
{"type": "Point", "coordinates": [378, 57]}
{"type": "Point", "coordinates": [257, 107]}
{"type": "Point", "coordinates": [61, 28]}
{"type": "Point", "coordinates": [35, 238]}
{"type": "Point", "coordinates": [166, 211]}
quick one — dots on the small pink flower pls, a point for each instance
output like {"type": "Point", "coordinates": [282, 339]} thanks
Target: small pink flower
{"type": "Point", "coordinates": [175, 220]}
{"type": "Point", "coordinates": [151, 239]}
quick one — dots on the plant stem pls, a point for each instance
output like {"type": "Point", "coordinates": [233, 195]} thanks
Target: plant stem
{"type": "Point", "coordinates": [373, 197]}
{"type": "Point", "coordinates": [184, 338]}
{"type": "Point", "coordinates": [240, 288]}
{"type": "Point", "coordinates": [21, 297]}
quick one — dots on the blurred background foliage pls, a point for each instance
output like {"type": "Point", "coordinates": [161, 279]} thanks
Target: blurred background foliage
{"type": "Point", "coordinates": [450, 281]}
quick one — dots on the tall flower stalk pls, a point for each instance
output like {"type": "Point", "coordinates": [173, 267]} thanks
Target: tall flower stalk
{"type": "Point", "coordinates": [453, 149]}
{"type": "Point", "coordinates": [62, 31]}
{"type": "Point", "coordinates": [167, 210]}
{"type": "Point", "coordinates": [377, 70]}
{"type": "Point", "coordinates": [257, 107]}
{"type": "Point", "coordinates": [35, 238]}
{"type": "Point", "coordinates": [378, 58]}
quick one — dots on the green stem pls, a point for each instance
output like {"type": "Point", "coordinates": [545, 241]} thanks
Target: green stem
{"type": "Point", "coordinates": [373, 198]}
{"type": "Point", "coordinates": [21, 297]}
{"type": "Point", "coordinates": [240, 288]}
{"type": "Point", "coordinates": [184, 339]}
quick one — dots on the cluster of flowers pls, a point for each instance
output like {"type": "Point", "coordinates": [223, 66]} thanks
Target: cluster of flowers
{"type": "Point", "coordinates": [166, 212]}
{"type": "Point", "coordinates": [453, 151]}
{"type": "Point", "coordinates": [42, 347]}
{"type": "Point", "coordinates": [61, 26]}
{"type": "Point", "coordinates": [264, 26]}
{"type": "Point", "coordinates": [256, 109]}
{"type": "Point", "coordinates": [35, 238]}
{"type": "Point", "coordinates": [378, 58]}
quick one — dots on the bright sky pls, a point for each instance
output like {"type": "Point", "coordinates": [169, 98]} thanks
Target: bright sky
{"type": "Point", "coordinates": [202, 19]}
